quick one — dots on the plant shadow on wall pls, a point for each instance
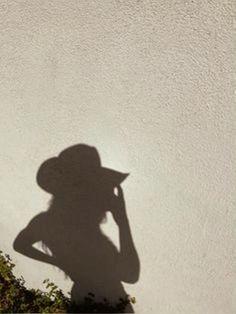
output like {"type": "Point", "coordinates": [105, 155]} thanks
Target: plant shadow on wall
{"type": "Point", "coordinates": [83, 192]}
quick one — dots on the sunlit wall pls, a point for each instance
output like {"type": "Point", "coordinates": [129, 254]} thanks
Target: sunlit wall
{"type": "Point", "coordinates": [150, 85]}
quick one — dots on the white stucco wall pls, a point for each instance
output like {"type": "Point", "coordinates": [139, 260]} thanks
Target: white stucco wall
{"type": "Point", "coordinates": [150, 84]}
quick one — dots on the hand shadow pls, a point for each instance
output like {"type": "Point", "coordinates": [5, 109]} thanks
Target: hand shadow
{"type": "Point", "coordinates": [83, 191]}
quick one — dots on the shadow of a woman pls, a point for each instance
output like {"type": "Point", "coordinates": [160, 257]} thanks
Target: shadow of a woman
{"type": "Point", "coordinates": [83, 192]}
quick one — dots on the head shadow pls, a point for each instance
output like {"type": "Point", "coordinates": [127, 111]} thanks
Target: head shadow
{"type": "Point", "coordinates": [82, 193]}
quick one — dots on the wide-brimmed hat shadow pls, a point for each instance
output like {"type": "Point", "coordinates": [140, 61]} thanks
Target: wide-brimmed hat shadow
{"type": "Point", "coordinates": [70, 233]}
{"type": "Point", "coordinates": [77, 164]}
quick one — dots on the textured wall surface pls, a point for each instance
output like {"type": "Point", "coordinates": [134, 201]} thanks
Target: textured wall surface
{"type": "Point", "coordinates": [150, 84]}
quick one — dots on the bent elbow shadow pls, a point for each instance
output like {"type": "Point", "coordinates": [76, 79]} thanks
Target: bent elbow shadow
{"type": "Point", "coordinates": [82, 193]}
